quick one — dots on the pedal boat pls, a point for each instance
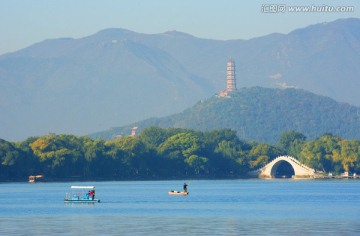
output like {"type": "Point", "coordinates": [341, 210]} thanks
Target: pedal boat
{"type": "Point", "coordinates": [82, 197]}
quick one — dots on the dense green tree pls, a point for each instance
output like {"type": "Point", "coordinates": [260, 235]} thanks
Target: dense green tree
{"type": "Point", "coordinates": [212, 138]}
{"type": "Point", "coordinates": [350, 155]}
{"type": "Point", "coordinates": [319, 153]}
{"type": "Point", "coordinates": [291, 142]}
{"type": "Point", "coordinates": [260, 154]}
{"type": "Point", "coordinates": [59, 153]}
{"type": "Point", "coordinates": [118, 168]}
{"type": "Point", "coordinates": [30, 163]}
{"type": "Point", "coordinates": [153, 136]}
{"type": "Point", "coordinates": [180, 146]}
{"type": "Point", "coordinates": [134, 157]}
{"type": "Point", "coordinates": [177, 148]}
{"type": "Point", "coordinates": [225, 152]}
{"type": "Point", "coordinates": [9, 160]}
{"type": "Point", "coordinates": [197, 163]}
{"type": "Point", "coordinates": [95, 158]}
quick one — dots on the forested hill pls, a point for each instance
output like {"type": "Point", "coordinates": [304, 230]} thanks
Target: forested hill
{"type": "Point", "coordinates": [261, 114]}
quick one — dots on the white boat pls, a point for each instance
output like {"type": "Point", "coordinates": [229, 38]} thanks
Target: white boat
{"type": "Point", "coordinates": [81, 194]}
{"type": "Point", "coordinates": [174, 192]}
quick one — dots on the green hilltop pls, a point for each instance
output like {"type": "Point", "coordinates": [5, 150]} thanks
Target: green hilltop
{"type": "Point", "coordinates": [260, 114]}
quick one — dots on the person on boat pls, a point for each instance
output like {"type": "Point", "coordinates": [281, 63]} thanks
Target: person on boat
{"type": "Point", "coordinates": [92, 194]}
{"type": "Point", "coordinates": [185, 187]}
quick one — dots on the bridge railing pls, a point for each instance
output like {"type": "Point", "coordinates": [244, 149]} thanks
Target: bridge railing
{"type": "Point", "coordinates": [300, 164]}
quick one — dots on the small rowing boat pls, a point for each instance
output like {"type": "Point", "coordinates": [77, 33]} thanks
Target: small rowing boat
{"type": "Point", "coordinates": [173, 192]}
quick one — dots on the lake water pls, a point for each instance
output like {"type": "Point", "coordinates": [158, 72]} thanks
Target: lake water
{"type": "Point", "coordinates": [213, 207]}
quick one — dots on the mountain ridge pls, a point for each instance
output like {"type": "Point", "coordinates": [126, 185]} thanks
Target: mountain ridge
{"type": "Point", "coordinates": [117, 76]}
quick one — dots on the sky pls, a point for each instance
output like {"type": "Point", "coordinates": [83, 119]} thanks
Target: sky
{"type": "Point", "coordinates": [25, 22]}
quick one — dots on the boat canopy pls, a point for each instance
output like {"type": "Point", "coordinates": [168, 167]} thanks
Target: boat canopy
{"type": "Point", "coordinates": [83, 187]}
{"type": "Point", "coordinates": [36, 176]}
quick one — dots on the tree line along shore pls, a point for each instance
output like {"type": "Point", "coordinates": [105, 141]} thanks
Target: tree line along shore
{"type": "Point", "coordinates": [173, 153]}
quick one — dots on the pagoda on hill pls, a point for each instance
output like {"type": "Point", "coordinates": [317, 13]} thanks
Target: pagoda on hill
{"type": "Point", "coordinates": [230, 79]}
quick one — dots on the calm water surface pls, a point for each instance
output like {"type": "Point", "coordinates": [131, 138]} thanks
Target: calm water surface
{"type": "Point", "coordinates": [223, 207]}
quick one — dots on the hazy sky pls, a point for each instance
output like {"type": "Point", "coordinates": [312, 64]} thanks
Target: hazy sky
{"type": "Point", "coordinates": [25, 22]}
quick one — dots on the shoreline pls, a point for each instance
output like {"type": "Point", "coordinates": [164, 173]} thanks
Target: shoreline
{"type": "Point", "coordinates": [54, 180]}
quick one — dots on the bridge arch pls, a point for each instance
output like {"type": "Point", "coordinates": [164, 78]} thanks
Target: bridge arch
{"type": "Point", "coordinates": [300, 170]}
{"type": "Point", "coordinates": [277, 169]}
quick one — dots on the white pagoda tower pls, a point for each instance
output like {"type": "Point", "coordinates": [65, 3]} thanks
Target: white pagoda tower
{"type": "Point", "coordinates": [230, 79]}
{"type": "Point", "coordinates": [230, 76]}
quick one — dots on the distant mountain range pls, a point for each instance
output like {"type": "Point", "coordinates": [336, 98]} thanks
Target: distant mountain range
{"type": "Point", "coordinates": [260, 114]}
{"type": "Point", "coordinates": [116, 77]}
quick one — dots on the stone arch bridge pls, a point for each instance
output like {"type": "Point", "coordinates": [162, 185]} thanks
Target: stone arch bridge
{"type": "Point", "coordinates": [300, 170]}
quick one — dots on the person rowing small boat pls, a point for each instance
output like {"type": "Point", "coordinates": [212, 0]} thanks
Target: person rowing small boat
{"type": "Point", "coordinates": [184, 192]}
{"type": "Point", "coordinates": [185, 187]}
